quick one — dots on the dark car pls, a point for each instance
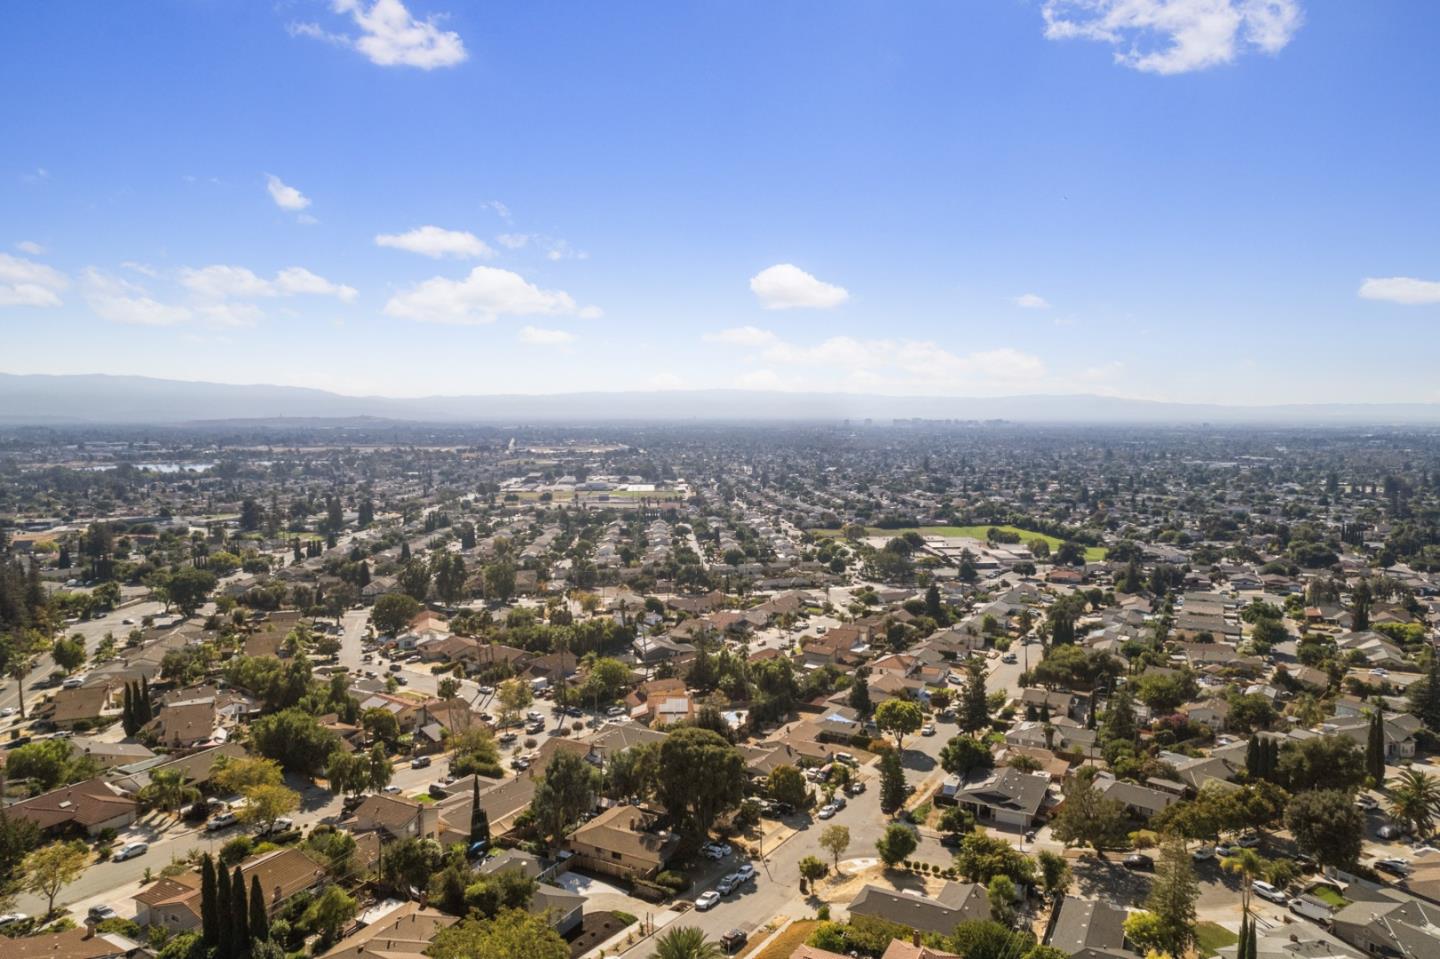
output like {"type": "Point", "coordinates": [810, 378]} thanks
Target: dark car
{"type": "Point", "coordinates": [1138, 860]}
{"type": "Point", "coordinates": [951, 840]}
{"type": "Point", "coordinates": [352, 803]}
{"type": "Point", "coordinates": [437, 791]}
{"type": "Point", "coordinates": [733, 940]}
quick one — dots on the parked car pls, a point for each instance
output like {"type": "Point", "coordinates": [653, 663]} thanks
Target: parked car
{"type": "Point", "coordinates": [1009, 658]}
{"type": "Point", "coordinates": [351, 803]}
{"type": "Point", "coordinates": [223, 821]}
{"type": "Point", "coordinates": [1138, 860]}
{"type": "Point", "coordinates": [827, 810]}
{"type": "Point", "coordinates": [1203, 853]}
{"type": "Point", "coordinates": [847, 759]}
{"type": "Point", "coordinates": [420, 762]}
{"type": "Point", "coordinates": [437, 791]}
{"type": "Point", "coordinates": [928, 729]}
{"type": "Point", "coordinates": [1395, 867]}
{"type": "Point", "coordinates": [716, 850]}
{"type": "Point", "coordinates": [12, 917]}
{"type": "Point", "coordinates": [1366, 802]}
{"type": "Point", "coordinates": [130, 850]}
{"type": "Point", "coordinates": [278, 826]}
{"type": "Point", "coordinates": [1310, 908]}
{"type": "Point", "coordinates": [615, 712]}
{"type": "Point", "coordinates": [1266, 891]}
{"type": "Point", "coordinates": [727, 884]}
{"type": "Point", "coordinates": [733, 940]}
{"type": "Point", "coordinates": [1389, 831]}
{"type": "Point", "coordinates": [101, 913]}
{"type": "Point", "coordinates": [707, 900]}
{"type": "Point", "coordinates": [855, 787]}
{"type": "Point", "coordinates": [1248, 841]}
{"type": "Point", "coordinates": [746, 872]}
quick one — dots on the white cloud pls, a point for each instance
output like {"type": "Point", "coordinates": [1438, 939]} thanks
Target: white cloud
{"type": "Point", "coordinates": [1032, 301]}
{"type": "Point", "coordinates": [121, 301]}
{"type": "Point", "coordinates": [230, 313]}
{"type": "Point", "coordinates": [31, 247]}
{"type": "Point", "coordinates": [743, 336]}
{"type": "Point", "coordinates": [27, 283]}
{"type": "Point", "coordinates": [285, 197]}
{"type": "Point", "coordinates": [390, 35]}
{"type": "Point", "coordinates": [501, 210]}
{"type": "Point", "coordinates": [1401, 289]}
{"type": "Point", "coordinates": [1176, 36]}
{"type": "Point", "coordinates": [220, 281]}
{"type": "Point", "coordinates": [562, 250]}
{"type": "Point", "coordinates": [483, 295]}
{"type": "Point", "coordinates": [878, 364]}
{"type": "Point", "coordinates": [513, 241]}
{"type": "Point", "coordinates": [436, 242]}
{"type": "Point", "coordinates": [536, 336]}
{"type": "Point", "coordinates": [786, 286]}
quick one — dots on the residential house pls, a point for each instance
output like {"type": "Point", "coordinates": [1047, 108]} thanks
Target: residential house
{"type": "Point", "coordinates": [90, 807]}
{"type": "Point", "coordinates": [1008, 797]}
{"type": "Point", "coordinates": [956, 902]}
{"type": "Point", "coordinates": [1088, 929]}
{"type": "Point", "coordinates": [622, 841]}
{"type": "Point", "coordinates": [402, 933]}
{"type": "Point", "coordinates": [174, 902]}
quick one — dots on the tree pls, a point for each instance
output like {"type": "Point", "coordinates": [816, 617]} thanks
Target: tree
{"type": "Point", "coordinates": [225, 924]}
{"type": "Point", "coordinates": [393, 612]}
{"type": "Point", "coordinates": [899, 717]}
{"type": "Point", "coordinates": [450, 577]}
{"type": "Point", "coordinates": [1424, 695]}
{"type": "Point", "coordinates": [259, 916]}
{"type": "Point", "coordinates": [264, 804]}
{"type": "Point", "coordinates": [1120, 724]}
{"type": "Point", "coordinates": [236, 774]}
{"type": "Point", "coordinates": [895, 845]}
{"type": "Point", "coordinates": [1055, 875]}
{"type": "Point", "coordinates": [514, 696]}
{"type": "Point", "coordinates": [331, 912]}
{"type": "Point", "coordinates": [982, 857]}
{"type": "Point", "coordinates": [686, 942]}
{"type": "Point", "coordinates": [1326, 824]}
{"type": "Point", "coordinates": [564, 793]}
{"type": "Point", "coordinates": [1329, 762]}
{"type": "Point", "coordinates": [812, 869]}
{"type": "Point", "coordinates": [69, 654]}
{"type": "Point", "coordinates": [1172, 898]}
{"type": "Point", "coordinates": [1415, 801]}
{"type": "Point", "coordinates": [295, 739]}
{"type": "Point", "coordinates": [239, 915]}
{"type": "Point", "coordinates": [511, 934]}
{"type": "Point", "coordinates": [962, 754]}
{"type": "Point", "coordinates": [1001, 893]}
{"type": "Point", "coordinates": [347, 772]}
{"type": "Point", "coordinates": [479, 818]}
{"type": "Point", "coordinates": [380, 769]}
{"type": "Point", "coordinates": [988, 939]}
{"type": "Point", "coordinates": [892, 781]}
{"type": "Point", "coordinates": [956, 821]}
{"type": "Point", "coordinates": [1249, 865]}
{"type": "Point", "coordinates": [168, 790]}
{"type": "Point", "coordinates": [786, 784]}
{"type": "Point", "coordinates": [51, 868]}
{"type": "Point", "coordinates": [835, 840]}
{"type": "Point", "coordinates": [701, 776]}
{"type": "Point", "coordinates": [18, 652]}
{"type": "Point", "coordinates": [974, 709]}
{"type": "Point", "coordinates": [499, 581]}
{"type": "Point", "coordinates": [1088, 818]}
{"type": "Point", "coordinates": [1375, 748]}
{"type": "Point", "coordinates": [414, 579]}
{"type": "Point", "coordinates": [209, 915]}
{"type": "Point", "coordinates": [189, 587]}
{"type": "Point", "coordinates": [859, 698]}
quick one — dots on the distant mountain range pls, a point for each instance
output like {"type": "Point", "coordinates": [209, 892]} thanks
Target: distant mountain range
{"type": "Point", "coordinates": [133, 400]}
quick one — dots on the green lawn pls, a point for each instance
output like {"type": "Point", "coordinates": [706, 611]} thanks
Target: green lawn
{"type": "Point", "coordinates": [1209, 938]}
{"type": "Point", "coordinates": [1093, 554]}
{"type": "Point", "coordinates": [1330, 896]}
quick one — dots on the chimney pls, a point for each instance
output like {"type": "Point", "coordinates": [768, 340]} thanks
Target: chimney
{"type": "Point", "coordinates": [915, 938]}
{"type": "Point", "coordinates": [89, 928]}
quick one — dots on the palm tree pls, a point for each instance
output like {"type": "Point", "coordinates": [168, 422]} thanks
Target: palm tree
{"type": "Point", "coordinates": [1415, 800]}
{"type": "Point", "coordinates": [686, 942]}
{"type": "Point", "coordinates": [168, 790]}
{"type": "Point", "coordinates": [1248, 865]}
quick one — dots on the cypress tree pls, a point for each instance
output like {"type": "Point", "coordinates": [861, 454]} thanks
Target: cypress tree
{"type": "Point", "coordinates": [1375, 748]}
{"type": "Point", "coordinates": [259, 920]}
{"type": "Point", "coordinates": [224, 925]}
{"type": "Point", "coordinates": [209, 921]}
{"type": "Point", "coordinates": [147, 709]}
{"type": "Point", "coordinates": [479, 819]}
{"type": "Point", "coordinates": [1242, 948]}
{"type": "Point", "coordinates": [1254, 753]}
{"type": "Point", "coordinates": [240, 916]}
{"type": "Point", "coordinates": [127, 712]}
{"type": "Point", "coordinates": [1252, 950]}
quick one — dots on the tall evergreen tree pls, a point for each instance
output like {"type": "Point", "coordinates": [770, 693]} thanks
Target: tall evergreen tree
{"type": "Point", "coordinates": [127, 712]}
{"type": "Point", "coordinates": [240, 916]}
{"type": "Point", "coordinates": [224, 924]}
{"type": "Point", "coordinates": [1255, 758]}
{"type": "Point", "coordinates": [1375, 747]}
{"type": "Point", "coordinates": [209, 919]}
{"type": "Point", "coordinates": [259, 919]}
{"type": "Point", "coordinates": [859, 698]}
{"type": "Point", "coordinates": [479, 819]}
{"type": "Point", "coordinates": [974, 710]}
{"type": "Point", "coordinates": [147, 709]}
{"type": "Point", "coordinates": [1425, 695]}
{"type": "Point", "coordinates": [1242, 947]}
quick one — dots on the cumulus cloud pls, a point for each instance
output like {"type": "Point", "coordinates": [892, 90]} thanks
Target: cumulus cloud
{"type": "Point", "coordinates": [436, 243]}
{"type": "Point", "coordinates": [513, 241]}
{"type": "Point", "coordinates": [27, 283]}
{"type": "Point", "coordinates": [121, 301]}
{"type": "Point", "coordinates": [285, 197]}
{"type": "Point", "coordinates": [1032, 301]}
{"type": "Point", "coordinates": [1176, 36]}
{"type": "Point", "coordinates": [390, 35]}
{"type": "Point", "coordinates": [537, 336]}
{"type": "Point", "coordinates": [482, 296]}
{"type": "Point", "coordinates": [1401, 289]}
{"type": "Point", "coordinates": [30, 247]}
{"type": "Point", "coordinates": [786, 286]}
{"type": "Point", "coordinates": [221, 281]}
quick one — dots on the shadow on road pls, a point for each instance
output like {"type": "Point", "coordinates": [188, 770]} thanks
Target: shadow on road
{"type": "Point", "coordinates": [1108, 879]}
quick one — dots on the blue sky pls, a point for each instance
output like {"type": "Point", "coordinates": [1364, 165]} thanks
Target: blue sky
{"type": "Point", "coordinates": [1195, 200]}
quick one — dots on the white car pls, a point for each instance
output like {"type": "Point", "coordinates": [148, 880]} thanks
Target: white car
{"type": "Point", "coordinates": [827, 811]}
{"type": "Point", "coordinates": [1203, 853]}
{"type": "Point", "coordinates": [1266, 891]}
{"type": "Point", "coordinates": [746, 872]}
{"type": "Point", "coordinates": [727, 885]}
{"type": "Point", "coordinates": [707, 900]}
{"type": "Point", "coordinates": [130, 850]}
{"type": "Point", "coordinates": [12, 917]}
{"type": "Point", "coordinates": [8, 711]}
{"type": "Point", "coordinates": [223, 821]}
{"type": "Point", "coordinates": [928, 729]}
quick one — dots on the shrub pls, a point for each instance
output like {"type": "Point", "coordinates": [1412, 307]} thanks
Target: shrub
{"type": "Point", "coordinates": [823, 913]}
{"type": "Point", "coordinates": [674, 881]}
{"type": "Point", "coordinates": [625, 918]}
{"type": "Point", "coordinates": [236, 850]}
